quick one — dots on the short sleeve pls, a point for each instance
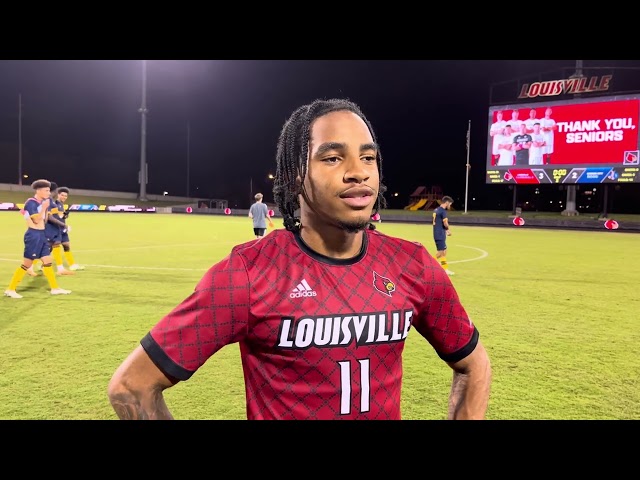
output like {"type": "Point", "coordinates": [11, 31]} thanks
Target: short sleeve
{"type": "Point", "coordinates": [216, 314]}
{"type": "Point", "coordinates": [441, 318]}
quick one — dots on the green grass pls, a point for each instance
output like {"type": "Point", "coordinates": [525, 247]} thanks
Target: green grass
{"type": "Point", "coordinates": [557, 311]}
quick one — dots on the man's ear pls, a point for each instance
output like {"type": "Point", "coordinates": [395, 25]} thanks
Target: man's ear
{"type": "Point", "coordinates": [298, 185]}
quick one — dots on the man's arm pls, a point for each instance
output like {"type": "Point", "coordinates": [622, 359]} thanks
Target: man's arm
{"type": "Point", "coordinates": [470, 388]}
{"type": "Point", "coordinates": [135, 389]}
{"type": "Point", "coordinates": [53, 218]}
{"type": "Point", "coordinates": [210, 318]}
{"type": "Point", "coordinates": [516, 145]}
{"type": "Point", "coordinates": [445, 223]}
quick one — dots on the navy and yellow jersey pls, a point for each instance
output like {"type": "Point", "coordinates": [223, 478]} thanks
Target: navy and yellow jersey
{"type": "Point", "coordinates": [33, 210]}
{"type": "Point", "coordinates": [439, 215]}
{"type": "Point", "coordinates": [61, 215]}
{"type": "Point", "coordinates": [52, 211]}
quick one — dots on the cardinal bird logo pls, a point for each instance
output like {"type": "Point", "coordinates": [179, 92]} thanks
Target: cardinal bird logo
{"type": "Point", "coordinates": [631, 158]}
{"type": "Point", "coordinates": [383, 284]}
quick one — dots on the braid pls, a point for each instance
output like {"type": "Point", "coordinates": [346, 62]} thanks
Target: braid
{"type": "Point", "coordinates": [293, 151]}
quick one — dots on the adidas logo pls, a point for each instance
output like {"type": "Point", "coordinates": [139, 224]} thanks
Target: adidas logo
{"type": "Point", "coordinates": [302, 290]}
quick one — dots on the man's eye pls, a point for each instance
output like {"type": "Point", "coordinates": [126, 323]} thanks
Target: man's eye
{"type": "Point", "coordinates": [369, 158]}
{"type": "Point", "coordinates": [331, 159]}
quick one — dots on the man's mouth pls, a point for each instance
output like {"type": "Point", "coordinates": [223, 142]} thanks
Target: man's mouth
{"type": "Point", "coordinates": [358, 197]}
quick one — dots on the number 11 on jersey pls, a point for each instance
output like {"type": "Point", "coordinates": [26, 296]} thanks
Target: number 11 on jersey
{"type": "Point", "coordinates": [345, 386]}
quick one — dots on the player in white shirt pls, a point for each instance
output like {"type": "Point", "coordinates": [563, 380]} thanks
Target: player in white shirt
{"type": "Point", "coordinates": [496, 129]}
{"type": "Point", "coordinates": [505, 147]}
{"type": "Point", "coordinates": [529, 122]}
{"type": "Point", "coordinates": [536, 152]}
{"type": "Point", "coordinates": [549, 126]}
{"type": "Point", "coordinates": [514, 122]}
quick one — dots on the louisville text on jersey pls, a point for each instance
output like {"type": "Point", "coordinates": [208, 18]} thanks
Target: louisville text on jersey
{"type": "Point", "coordinates": [342, 330]}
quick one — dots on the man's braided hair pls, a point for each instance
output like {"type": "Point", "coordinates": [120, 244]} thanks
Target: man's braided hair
{"type": "Point", "coordinates": [293, 151]}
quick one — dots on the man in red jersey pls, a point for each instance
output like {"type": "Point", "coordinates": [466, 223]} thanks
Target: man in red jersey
{"type": "Point", "coordinates": [322, 308]}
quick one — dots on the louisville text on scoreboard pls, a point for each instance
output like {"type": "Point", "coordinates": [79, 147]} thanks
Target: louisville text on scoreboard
{"type": "Point", "coordinates": [566, 86]}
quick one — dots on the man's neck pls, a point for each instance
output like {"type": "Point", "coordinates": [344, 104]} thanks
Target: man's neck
{"type": "Point", "coordinates": [332, 241]}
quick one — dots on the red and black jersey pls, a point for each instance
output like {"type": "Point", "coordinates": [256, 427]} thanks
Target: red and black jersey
{"type": "Point", "coordinates": [320, 338]}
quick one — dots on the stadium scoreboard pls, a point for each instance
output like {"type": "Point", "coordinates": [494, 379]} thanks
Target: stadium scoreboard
{"type": "Point", "coordinates": [594, 140]}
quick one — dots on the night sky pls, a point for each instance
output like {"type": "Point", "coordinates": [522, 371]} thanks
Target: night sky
{"type": "Point", "coordinates": [81, 126]}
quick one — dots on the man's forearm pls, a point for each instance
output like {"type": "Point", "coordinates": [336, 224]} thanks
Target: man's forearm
{"type": "Point", "coordinates": [129, 406]}
{"type": "Point", "coordinates": [469, 396]}
{"type": "Point", "coordinates": [57, 222]}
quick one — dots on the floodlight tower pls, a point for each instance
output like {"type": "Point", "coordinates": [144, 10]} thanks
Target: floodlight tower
{"type": "Point", "coordinates": [143, 174]}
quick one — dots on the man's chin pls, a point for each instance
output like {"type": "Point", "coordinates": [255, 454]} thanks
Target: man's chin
{"type": "Point", "coordinates": [353, 225]}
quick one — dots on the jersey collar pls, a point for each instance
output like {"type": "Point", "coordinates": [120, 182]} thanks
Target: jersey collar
{"type": "Point", "coordinates": [333, 261]}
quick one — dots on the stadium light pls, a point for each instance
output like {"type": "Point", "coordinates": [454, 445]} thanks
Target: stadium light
{"type": "Point", "coordinates": [142, 176]}
{"type": "Point", "coordinates": [271, 176]}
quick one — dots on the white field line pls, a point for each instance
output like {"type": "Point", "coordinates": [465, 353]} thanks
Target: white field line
{"type": "Point", "coordinates": [483, 254]}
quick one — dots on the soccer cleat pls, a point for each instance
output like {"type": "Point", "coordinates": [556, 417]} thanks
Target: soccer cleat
{"type": "Point", "coordinates": [449, 272]}
{"type": "Point", "coordinates": [12, 294]}
{"type": "Point", "coordinates": [65, 272]}
{"type": "Point", "coordinates": [75, 267]}
{"type": "Point", "coordinates": [31, 273]}
{"type": "Point", "coordinates": [58, 291]}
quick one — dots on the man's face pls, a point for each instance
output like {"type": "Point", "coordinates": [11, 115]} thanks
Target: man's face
{"type": "Point", "coordinates": [62, 196]}
{"type": "Point", "coordinates": [43, 193]}
{"type": "Point", "coordinates": [446, 205]}
{"type": "Point", "coordinates": [514, 114]}
{"type": "Point", "coordinates": [523, 128]}
{"type": "Point", "coordinates": [342, 180]}
{"type": "Point", "coordinates": [532, 114]}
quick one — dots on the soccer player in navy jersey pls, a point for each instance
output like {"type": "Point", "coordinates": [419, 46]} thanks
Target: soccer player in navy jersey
{"type": "Point", "coordinates": [322, 308]}
{"type": "Point", "coordinates": [441, 231]}
{"type": "Point", "coordinates": [55, 228]}
{"type": "Point", "coordinates": [63, 195]}
{"type": "Point", "coordinates": [36, 245]}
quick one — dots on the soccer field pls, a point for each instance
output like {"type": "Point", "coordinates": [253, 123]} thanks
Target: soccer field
{"type": "Point", "coordinates": [557, 311]}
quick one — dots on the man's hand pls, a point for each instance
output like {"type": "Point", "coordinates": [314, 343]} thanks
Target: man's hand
{"type": "Point", "coordinates": [448, 233]}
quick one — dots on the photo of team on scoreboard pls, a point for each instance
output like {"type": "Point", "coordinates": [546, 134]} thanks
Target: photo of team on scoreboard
{"type": "Point", "coordinates": [522, 142]}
